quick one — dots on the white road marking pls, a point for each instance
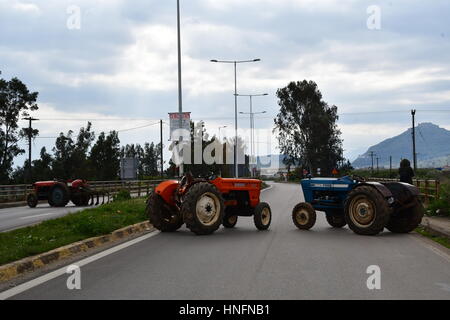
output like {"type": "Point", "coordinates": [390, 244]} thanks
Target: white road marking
{"type": "Point", "coordinates": [267, 188]}
{"type": "Point", "coordinates": [52, 275]}
{"type": "Point", "coordinates": [39, 215]}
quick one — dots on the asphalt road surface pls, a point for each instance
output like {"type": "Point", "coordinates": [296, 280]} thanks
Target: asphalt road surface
{"type": "Point", "coordinates": [282, 263]}
{"type": "Point", "coordinates": [13, 218]}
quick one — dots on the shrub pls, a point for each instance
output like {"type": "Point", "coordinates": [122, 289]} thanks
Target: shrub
{"type": "Point", "coordinates": [122, 195]}
{"type": "Point", "coordinates": [441, 206]}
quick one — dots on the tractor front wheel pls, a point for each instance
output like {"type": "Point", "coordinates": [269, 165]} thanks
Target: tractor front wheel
{"type": "Point", "coordinates": [161, 216]}
{"type": "Point", "coordinates": [262, 216]}
{"type": "Point", "coordinates": [406, 220]}
{"type": "Point", "coordinates": [32, 200]}
{"type": "Point", "coordinates": [366, 211]}
{"type": "Point", "coordinates": [203, 208]}
{"type": "Point", "coordinates": [230, 221]}
{"type": "Point", "coordinates": [304, 216]}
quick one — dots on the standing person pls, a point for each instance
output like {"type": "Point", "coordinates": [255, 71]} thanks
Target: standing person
{"type": "Point", "coordinates": [406, 172]}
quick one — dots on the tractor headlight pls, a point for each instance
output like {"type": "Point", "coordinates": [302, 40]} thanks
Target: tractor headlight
{"type": "Point", "coordinates": [391, 200]}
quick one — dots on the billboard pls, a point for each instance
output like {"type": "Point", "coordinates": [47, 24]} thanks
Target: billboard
{"type": "Point", "coordinates": [175, 124]}
{"type": "Point", "coordinates": [129, 168]}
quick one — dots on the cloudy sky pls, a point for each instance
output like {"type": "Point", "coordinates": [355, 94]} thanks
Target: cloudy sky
{"type": "Point", "coordinates": [119, 69]}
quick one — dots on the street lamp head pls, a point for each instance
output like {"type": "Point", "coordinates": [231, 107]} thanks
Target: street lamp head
{"type": "Point", "coordinates": [257, 60]}
{"type": "Point", "coordinates": [265, 94]}
{"type": "Point", "coordinates": [214, 60]}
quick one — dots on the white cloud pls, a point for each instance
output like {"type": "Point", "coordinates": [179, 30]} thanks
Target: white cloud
{"type": "Point", "coordinates": [25, 7]}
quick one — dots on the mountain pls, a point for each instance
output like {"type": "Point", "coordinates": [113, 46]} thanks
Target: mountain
{"type": "Point", "coordinates": [432, 148]}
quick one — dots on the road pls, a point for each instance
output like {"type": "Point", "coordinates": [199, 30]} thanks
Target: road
{"type": "Point", "coordinates": [13, 218]}
{"type": "Point", "coordinates": [282, 263]}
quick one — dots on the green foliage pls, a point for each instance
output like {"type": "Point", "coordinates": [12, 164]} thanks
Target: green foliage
{"type": "Point", "coordinates": [105, 157]}
{"type": "Point", "coordinates": [149, 158]}
{"type": "Point", "coordinates": [441, 206]}
{"type": "Point", "coordinates": [52, 234]}
{"type": "Point", "coordinates": [441, 240]}
{"type": "Point", "coordinates": [307, 129]}
{"type": "Point", "coordinates": [71, 160]}
{"type": "Point", "coordinates": [15, 101]}
{"type": "Point", "coordinates": [122, 195]}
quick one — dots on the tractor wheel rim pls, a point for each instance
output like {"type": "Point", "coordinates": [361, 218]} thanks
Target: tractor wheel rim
{"type": "Point", "coordinates": [362, 211]}
{"type": "Point", "coordinates": [302, 216]}
{"type": "Point", "coordinates": [58, 195]}
{"type": "Point", "coordinates": [232, 219]}
{"type": "Point", "coordinates": [265, 216]}
{"type": "Point", "coordinates": [208, 208]}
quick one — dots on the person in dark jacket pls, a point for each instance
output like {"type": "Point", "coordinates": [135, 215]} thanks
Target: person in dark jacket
{"type": "Point", "coordinates": [406, 172]}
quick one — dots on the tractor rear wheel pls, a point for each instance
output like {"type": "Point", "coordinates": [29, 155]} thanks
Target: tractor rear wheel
{"type": "Point", "coordinates": [58, 195]}
{"type": "Point", "coordinates": [366, 211]}
{"type": "Point", "coordinates": [262, 216]}
{"type": "Point", "coordinates": [406, 220]}
{"type": "Point", "coordinates": [304, 216]}
{"type": "Point", "coordinates": [161, 216]}
{"type": "Point", "coordinates": [203, 208]}
{"type": "Point", "coordinates": [32, 200]}
{"type": "Point", "coordinates": [81, 199]}
{"type": "Point", "coordinates": [230, 221]}
{"type": "Point", "coordinates": [335, 220]}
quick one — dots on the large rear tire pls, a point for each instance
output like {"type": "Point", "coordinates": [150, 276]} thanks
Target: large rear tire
{"type": "Point", "coordinates": [58, 195]}
{"type": "Point", "coordinates": [81, 199]}
{"type": "Point", "coordinates": [304, 216]}
{"type": "Point", "coordinates": [203, 208]}
{"type": "Point", "coordinates": [366, 211]}
{"type": "Point", "coordinates": [161, 216]}
{"type": "Point", "coordinates": [406, 220]}
{"type": "Point", "coordinates": [262, 216]}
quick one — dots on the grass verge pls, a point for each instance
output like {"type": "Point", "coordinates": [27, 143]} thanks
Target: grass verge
{"type": "Point", "coordinates": [52, 234]}
{"type": "Point", "coordinates": [441, 240]}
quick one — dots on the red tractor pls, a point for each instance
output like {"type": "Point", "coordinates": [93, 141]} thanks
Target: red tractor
{"type": "Point", "coordinates": [59, 193]}
{"type": "Point", "coordinates": [205, 204]}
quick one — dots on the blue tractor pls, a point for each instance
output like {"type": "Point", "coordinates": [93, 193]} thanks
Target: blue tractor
{"type": "Point", "coordinates": [367, 207]}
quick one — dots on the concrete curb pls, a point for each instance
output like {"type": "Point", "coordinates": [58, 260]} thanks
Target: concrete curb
{"type": "Point", "coordinates": [17, 268]}
{"type": "Point", "coordinates": [435, 228]}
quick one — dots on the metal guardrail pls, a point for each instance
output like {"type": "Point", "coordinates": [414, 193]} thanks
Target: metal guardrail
{"type": "Point", "coordinates": [429, 189]}
{"type": "Point", "coordinates": [18, 193]}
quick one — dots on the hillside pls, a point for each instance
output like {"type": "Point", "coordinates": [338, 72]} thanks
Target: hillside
{"type": "Point", "coordinates": [432, 147]}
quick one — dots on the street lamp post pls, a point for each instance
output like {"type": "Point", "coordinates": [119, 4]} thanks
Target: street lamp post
{"type": "Point", "coordinates": [252, 122]}
{"type": "Point", "coordinates": [235, 63]}
{"type": "Point", "coordinates": [252, 135]}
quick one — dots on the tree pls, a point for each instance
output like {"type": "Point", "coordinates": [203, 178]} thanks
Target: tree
{"type": "Point", "coordinates": [15, 101]}
{"type": "Point", "coordinates": [42, 168]}
{"type": "Point", "coordinates": [306, 126]}
{"type": "Point", "coordinates": [105, 156]}
{"type": "Point", "coordinates": [71, 157]}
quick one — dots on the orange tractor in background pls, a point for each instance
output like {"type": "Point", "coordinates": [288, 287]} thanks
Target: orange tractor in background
{"type": "Point", "coordinates": [204, 204]}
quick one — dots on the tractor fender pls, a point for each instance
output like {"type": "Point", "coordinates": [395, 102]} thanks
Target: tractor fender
{"type": "Point", "coordinates": [166, 191]}
{"type": "Point", "coordinates": [385, 192]}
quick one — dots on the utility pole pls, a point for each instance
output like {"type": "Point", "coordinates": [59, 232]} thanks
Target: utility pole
{"type": "Point", "coordinates": [180, 90]}
{"type": "Point", "coordinates": [372, 154]}
{"type": "Point", "coordinates": [377, 164]}
{"type": "Point", "coordinates": [390, 166]}
{"type": "Point", "coordinates": [413, 113]}
{"type": "Point", "coordinates": [30, 135]}
{"type": "Point", "coordinates": [162, 148]}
